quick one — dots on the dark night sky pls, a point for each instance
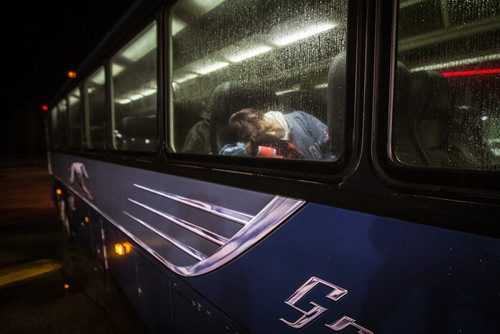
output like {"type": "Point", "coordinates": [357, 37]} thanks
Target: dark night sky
{"type": "Point", "coordinates": [41, 41]}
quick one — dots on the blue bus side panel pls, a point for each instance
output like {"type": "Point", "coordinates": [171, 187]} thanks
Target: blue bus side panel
{"type": "Point", "coordinates": [397, 276]}
{"type": "Point", "coordinates": [194, 314]}
{"type": "Point", "coordinates": [400, 276]}
{"type": "Point", "coordinates": [146, 285]}
{"type": "Point", "coordinates": [136, 201]}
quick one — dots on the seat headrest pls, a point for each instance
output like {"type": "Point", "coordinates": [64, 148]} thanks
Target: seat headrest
{"type": "Point", "coordinates": [431, 133]}
{"type": "Point", "coordinates": [230, 97]}
{"type": "Point", "coordinates": [139, 126]}
{"type": "Point", "coordinates": [308, 101]}
{"type": "Point", "coordinates": [429, 88]}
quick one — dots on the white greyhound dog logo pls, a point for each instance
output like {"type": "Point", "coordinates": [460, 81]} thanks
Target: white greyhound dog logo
{"type": "Point", "coordinates": [79, 172]}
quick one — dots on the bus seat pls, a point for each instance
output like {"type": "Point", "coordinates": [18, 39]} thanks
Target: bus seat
{"type": "Point", "coordinates": [404, 113]}
{"type": "Point", "coordinates": [97, 137]}
{"type": "Point", "coordinates": [404, 116]}
{"type": "Point", "coordinates": [311, 102]}
{"type": "Point", "coordinates": [430, 96]}
{"type": "Point", "coordinates": [230, 97]}
{"type": "Point", "coordinates": [464, 138]}
{"type": "Point", "coordinates": [139, 133]}
{"type": "Point", "coordinates": [186, 115]}
{"type": "Point", "coordinates": [431, 138]}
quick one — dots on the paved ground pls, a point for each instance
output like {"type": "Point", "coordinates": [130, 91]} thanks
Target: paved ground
{"type": "Point", "coordinates": [47, 283]}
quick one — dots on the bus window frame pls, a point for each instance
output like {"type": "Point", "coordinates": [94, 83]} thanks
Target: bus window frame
{"type": "Point", "coordinates": [86, 110]}
{"type": "Point", "coordinates": [79, 141]}
{"type": "Point", "coordinates": [109, 119]}
{"type": "Point", "coordinates": [64, 117]}
{"type": "Point", "coordinates": [467, 183]}
{"type": "Point", "coordinates": [307, 170]}
{"type": "Point", "coordinates": [53, 129]}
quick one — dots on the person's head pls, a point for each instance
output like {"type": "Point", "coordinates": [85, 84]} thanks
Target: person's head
{"type": "Point", "coordinates": [274, 124]}
{"type": "Point", "coordinates": [245, 124]}
{"type": "Point", "coordinates": [249, 123]}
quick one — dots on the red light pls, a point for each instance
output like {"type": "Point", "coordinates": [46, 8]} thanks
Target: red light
{"type": "Point", "coordinates": [471, 72]}
{"type": "Point", "coordinates": [45, 108]}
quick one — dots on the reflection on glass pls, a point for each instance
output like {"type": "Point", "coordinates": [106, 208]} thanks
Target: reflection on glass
{"type": "Point", "coordinates": [95, 111]}
{"type": "Point", "coordinates": [448, 85]}
{"type": "Point", "coordinates": [134, 77]}
{"type": "Point", "coordinates": [264, 55]}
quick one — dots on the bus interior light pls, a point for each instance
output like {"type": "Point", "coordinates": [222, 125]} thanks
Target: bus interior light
{"type": "Point", "coordinates": [142, 46]}
{"type": "Point", "coordinates": [185, 78]}
{"type": "Point", "coordinates": [287, 91]}
{"type": "Point", "coordinates": [457, 62]}
{"type": "Point", "coordinates": [303, 33]}
{"type": "Point", "coordinates": [211, 67]}
{"type": "Point", "coordinates": [249, 53]}
{"type": "Point", "coordinates": [177, 25]}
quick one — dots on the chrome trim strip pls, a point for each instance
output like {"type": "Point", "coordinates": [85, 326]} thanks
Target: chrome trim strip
{"type": "Point", "coordinates": [264, 222]}
{"type": "Point", "coordinates": [272, 215]}
{"type": "Point", "coordinates": [202, 232]}
{"type": "Point", "coordinates": [194, 253]}
{"type": "Point", "coordinates": [233, 215]}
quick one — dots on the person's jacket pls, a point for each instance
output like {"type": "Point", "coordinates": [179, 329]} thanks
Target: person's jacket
{"type": "Point", "coordinates": [307, 133]}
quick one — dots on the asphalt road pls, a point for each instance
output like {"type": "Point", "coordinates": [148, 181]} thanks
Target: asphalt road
{"type": "Point", "coordinates": [49, 284]}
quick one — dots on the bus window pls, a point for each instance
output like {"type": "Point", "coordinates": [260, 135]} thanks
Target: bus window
{"type": "Point", "coordinates": [447, 111]}
{"type": "Point", "coordinates": [62, 123]}
{"type": "Point", "coordinates": [75, 119]}
{"type": "Point", "coordinates": [134, 94]}
{"type": "Point", "coordinates": [94, 90]}
{"type": "Point", "coordinates": [269, 59]}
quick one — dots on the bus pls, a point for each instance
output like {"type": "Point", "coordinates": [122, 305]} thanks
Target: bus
{"type": "Point", "coordinates": [290, 166]}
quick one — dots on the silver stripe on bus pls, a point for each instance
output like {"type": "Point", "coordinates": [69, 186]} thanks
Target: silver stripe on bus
{"type": "Point", "coordinates": [270, 217]}
{"type": "Point", "coordinates": [202, 232]}
{"type": "Point", "coordinates": [233, 215]}
{"type": "Point", "coordinates": [194, 253]}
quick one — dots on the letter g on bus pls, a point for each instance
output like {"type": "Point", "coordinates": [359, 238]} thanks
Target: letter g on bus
{"type": "Point", "coordinates": [312, 314]}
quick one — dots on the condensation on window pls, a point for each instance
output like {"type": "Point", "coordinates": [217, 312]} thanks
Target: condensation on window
{"type": "Point", "coordinates": [134, 112]}
{"type": "Point", "coordinates": [257, 56]}
{"type": "Point", "coordinates": [447, 89]}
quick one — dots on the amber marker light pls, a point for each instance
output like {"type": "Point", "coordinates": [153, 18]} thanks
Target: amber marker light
{"type": "Point", "coordinates": [71, 74]}
{"type": "Point", "coordinates": [66, 286]}
{"type": "Point", "coordinates": [128, 246]}
{"type": "Point", "coordinates": [59, 192]}
{"type": "Point", "coordinates": [119, 249]}
{"type": "Point", "coordinates": [86, 219]}
{"type": "Point", "coordinates": [122, 248]}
